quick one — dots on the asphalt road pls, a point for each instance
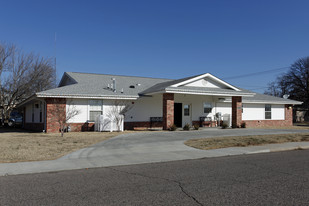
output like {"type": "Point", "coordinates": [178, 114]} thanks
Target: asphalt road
{"type": "Point", "coordinates": [280, 178]}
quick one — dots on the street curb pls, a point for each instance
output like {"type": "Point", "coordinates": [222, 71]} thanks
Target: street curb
{"type": "Point", "coordinates": [279, 149]}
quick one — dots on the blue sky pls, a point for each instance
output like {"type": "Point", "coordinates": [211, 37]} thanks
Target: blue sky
{"type": "Point", "coordinates": [166, 39]}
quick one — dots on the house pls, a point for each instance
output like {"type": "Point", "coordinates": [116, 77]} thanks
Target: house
{"type": "Point", "coordinates": [202, 99]}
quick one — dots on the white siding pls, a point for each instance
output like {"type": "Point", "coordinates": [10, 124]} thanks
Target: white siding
{"type": "Point", "coordinates": [207, 82]}
{"type": "Point", "coordinates": [277, 112]}
{"type": "Point", "coordinates": [224, 108]}
{"type": "Point", "coordinates": [257, 112]}
{"type": "Point", "coordinates": [36, 111]}
{"type": "Point", "coordinates": [144, 108]}
{"type": "Point", "coordinates": [253, 112]}
{"type": "Point", "coordinates": [147, 107]}
{"type": "Point", "coordinates": [82, 106]}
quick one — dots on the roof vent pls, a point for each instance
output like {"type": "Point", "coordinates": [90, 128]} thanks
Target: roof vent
{"type": "Point", "coordinates": [114, 85]}
{"type": "Point", "coordinates": [132, 86]}
{"type": "Point", "coordinates": [138, 84]}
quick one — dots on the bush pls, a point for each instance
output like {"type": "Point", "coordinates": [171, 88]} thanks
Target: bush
{"type": "Point", "coordinates": [224, 126]}
{"type": "Point", "coordinates": [186, 127]}
{"type": "Point", "coordinates": [196, 126]}
{"type": "Point", "coordinates": [243, 125]}
{"type": "Point", "coordinates": [172, 127]}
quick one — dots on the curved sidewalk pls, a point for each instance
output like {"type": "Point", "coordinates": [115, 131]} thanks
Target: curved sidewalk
{"type": "Point", "coordinates": [149, 147]}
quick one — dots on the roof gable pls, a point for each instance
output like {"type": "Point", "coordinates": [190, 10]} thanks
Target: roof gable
{"type": "Point", "coordinates": [205, 81]}
{"type": "Point", "coordinates": [66, 80]}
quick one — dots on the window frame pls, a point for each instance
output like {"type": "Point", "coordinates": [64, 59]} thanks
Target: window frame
{"type": "Point", "coordinates": [94, 110]}
{"type": "Point", "coordinates": [211, 107]}
{"type": "Point", "coordinates": [186, 111]}
{"type": "Point", "coordinates": [268, 114]}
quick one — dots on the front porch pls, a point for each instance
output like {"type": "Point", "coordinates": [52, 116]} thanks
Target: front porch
{"type": "Point", "coordinates": [206, 111]}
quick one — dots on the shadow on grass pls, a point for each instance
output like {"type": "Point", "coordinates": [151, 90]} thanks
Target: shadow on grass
{"type": "Point", "coordinates": [4, 129]}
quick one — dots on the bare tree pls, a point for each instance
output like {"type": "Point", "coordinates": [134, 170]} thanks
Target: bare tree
{"type": "Point", "coordinates": [294, 83]}
{"type": "Point", "coordinates": [117, 111]}
{"type": "Point", "coordinates": [62, 114]}
{"type": "Point", "coordinates": [21, 75]}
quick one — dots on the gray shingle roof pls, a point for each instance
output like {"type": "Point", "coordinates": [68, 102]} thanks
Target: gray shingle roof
{"type": "Point", "coordinates": [96, 85]}
{"type": "Point", "coordinates": [262, 98]}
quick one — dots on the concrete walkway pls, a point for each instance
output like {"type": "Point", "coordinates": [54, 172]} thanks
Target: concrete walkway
{"type": "Point", "coordinates": [149, 147]}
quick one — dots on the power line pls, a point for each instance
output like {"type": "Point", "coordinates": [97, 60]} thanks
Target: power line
{"type": "Point", "coordinates": [255, 73]}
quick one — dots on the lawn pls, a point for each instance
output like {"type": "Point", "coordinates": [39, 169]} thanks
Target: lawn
{"type": "Point", "coordinates": [244, 141]}
{"type": "Point", "coordinates": [19, 145]}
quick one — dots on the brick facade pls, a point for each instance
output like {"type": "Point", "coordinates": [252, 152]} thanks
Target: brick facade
{"type": "Point", "coordinates": [55, 111]}
{"type": "Point", "coordinates": [205, 123]}
{"type": "Point", "coordinates": [236, 111]}
{"type": "Point", "coordinates": [168, 110]}
{"type": "Point", "coordinates": [142, 125]}
{"type": "Point", "coordinates": [81, 127]}
{"type": "Point", "coordinates": [274, 123]}
{"type": "Point", "coordinates": [58, 106]}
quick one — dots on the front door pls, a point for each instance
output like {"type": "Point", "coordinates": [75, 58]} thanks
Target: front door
{"type": "Point", "coordinates": [178, 114]}
{"type": "Point", "coordinates": [187, 110]}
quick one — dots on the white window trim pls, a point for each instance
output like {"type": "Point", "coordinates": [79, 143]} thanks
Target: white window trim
{"type": "Point", "coordinates": [268, 111]}
{"type": "Point", "coordinates": [189, 108]}
{"type": "Point", "coordinates": [88, 108]}
{"type": "Point", "coordinates": [203, 108]}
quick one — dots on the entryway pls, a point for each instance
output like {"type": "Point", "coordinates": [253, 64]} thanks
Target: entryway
{"type": "Point", "coordinates": [178, 114]}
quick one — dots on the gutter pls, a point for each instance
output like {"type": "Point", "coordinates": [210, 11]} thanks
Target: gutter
{"type": "Point", "coordinates": [209, 93]}
{"type": "Point", "coordinates": [87, 97]}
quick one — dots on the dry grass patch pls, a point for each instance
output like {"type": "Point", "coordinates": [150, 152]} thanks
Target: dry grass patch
{"type": "Point", "coordinates": [297, 126]}
{"type": "Point", "coordinates": [23, 146]}
{"type": "Point", "coordinates": [223, 142]}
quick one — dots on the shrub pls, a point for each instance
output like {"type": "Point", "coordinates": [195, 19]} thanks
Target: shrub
{"type": "Point", "coordinates": [196, 126]}
{"type": "Point", "coordinates": [243, 125]}
{"type": "Point", "coordinates": [172, 127]}
{"type": "Point", "coordinates": [224, 126]}
{"type": "Point", "coordinates": [186, 127]}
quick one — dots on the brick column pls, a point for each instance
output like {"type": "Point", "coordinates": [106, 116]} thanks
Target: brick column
{"type": "Point", "coordinates": [236, 111]}
{"type": "Point", "coordinates": [55, 110]}
{"type": "Point", "coordinates": [288, 115]}
{"type": "Point", "coordinates": [168, 110]}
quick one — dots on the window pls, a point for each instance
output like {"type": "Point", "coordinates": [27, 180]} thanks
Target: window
{"type": "Point", "coordinates": [95, 109]}
{"type": "Point", "coordinates": [186, 110]}
{"type": "Point", "coordinates": [207, 107]}
{"type": "Point", "coordinates": [267, 111]}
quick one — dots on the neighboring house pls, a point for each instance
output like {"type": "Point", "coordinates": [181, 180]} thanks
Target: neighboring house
{"type": "Point", "coordinates": [201, 99]}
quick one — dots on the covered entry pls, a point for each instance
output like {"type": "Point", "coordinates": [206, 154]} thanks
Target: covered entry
{"type": "Point", "coordinates": [178, 114]}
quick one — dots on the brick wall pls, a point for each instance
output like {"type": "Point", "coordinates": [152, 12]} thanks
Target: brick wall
{"type": "Point", "coordinates": [205, 123]}
{"type": "Point", "coordinates": [82, 127]}
{"type": "Point", "coordinates": [168, 110]}
{"type": "Point", "coordinates": [142, 125]}
{"type": "Point", "coordinates": [55, 111]}
{"type": "Point", "coordinates": [236, 111]}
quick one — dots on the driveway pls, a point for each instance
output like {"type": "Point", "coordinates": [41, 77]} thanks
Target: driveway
{"type": "Point", "coordinates": [143, 147]}
{"type": "Point", "coordinates": [160, 146]}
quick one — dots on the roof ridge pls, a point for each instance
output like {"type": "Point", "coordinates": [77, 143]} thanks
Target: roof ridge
{"type": "Point", "coordinates": [120, 75]}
